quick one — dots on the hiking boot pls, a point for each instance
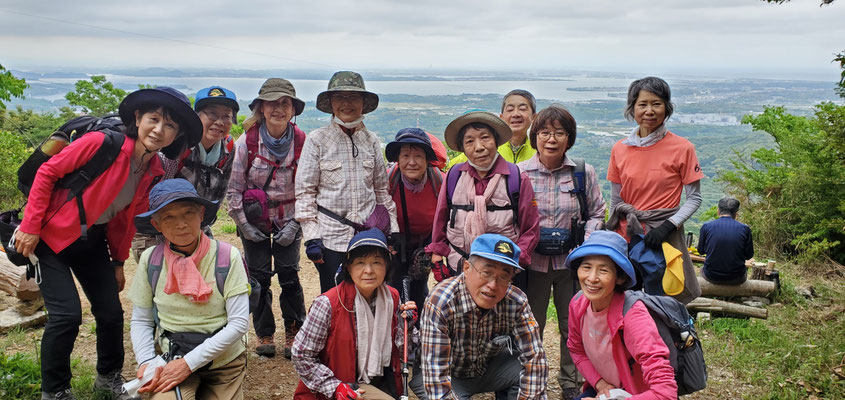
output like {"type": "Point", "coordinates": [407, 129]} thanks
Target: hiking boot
{"type": "Point", "coordinates": [112, 383]}
{"type": "Point", "coordinates": [60, 395]}
{"type": "Point", "coordinates": [266, 347]}
{"type": "Point", "coordinates": [290, 333]}
{"type": "Point", "coordinates": [569, 393]}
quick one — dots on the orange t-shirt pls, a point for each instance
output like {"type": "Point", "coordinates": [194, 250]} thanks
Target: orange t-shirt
{"type": "Point", "coordinates": [653, 177]}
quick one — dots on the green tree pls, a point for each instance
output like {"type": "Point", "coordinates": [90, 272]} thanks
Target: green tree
{"type": "Point", "coordinates": [30, 126]}
{"type": "Point", "coordinates": [840, 89]}
{"type": "Point", "coordinates": [13, 152]}
{"type": "Point", "coordinates": [794, 193]}
{"type": "Point", "coordinates": [97, 96]}
{"type": "Point", "coordinates": [10, 86]}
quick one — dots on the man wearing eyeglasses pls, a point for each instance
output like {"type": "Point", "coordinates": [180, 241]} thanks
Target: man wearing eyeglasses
{"type": "Point", "coordinates": [478, 331]}
{"type": "Point", "coordinates": [207, 165]}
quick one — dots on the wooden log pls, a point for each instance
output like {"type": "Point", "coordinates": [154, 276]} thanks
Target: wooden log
{"type": "Point", "coordinates": [13, 281]}
{"type": "Point", "coordinates": [696, 258]}
{"type": "Point", "coordinates": [747, 288]}
{"type": "Point", "coordinates": [718, 306]}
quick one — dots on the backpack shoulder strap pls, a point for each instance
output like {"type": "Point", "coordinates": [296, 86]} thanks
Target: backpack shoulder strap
{"type": "Point", "coordinates": [579, 181]}
{"type": "Point", "coordinates": [631, 297]}
{"type": "Point", "coordinates": [514, 182]}
{"type": "Point", "coordinates": [102, 159]}
{"type": "Point", "coordinates": [251, 148]}
{"type": "Point", "coordinates": [153, 272]}
{"type": "Point", "coordinates": [452, 177]}
{"type": "Point", "coordinates": [221, 268]}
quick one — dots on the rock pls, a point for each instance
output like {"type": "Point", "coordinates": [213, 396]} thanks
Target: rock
{"type": "Point", "coordinates": [806, 291]}
{"type": "Point", "coordinates": [11, 318]}
{"type": "Point", "coordinates": [702, 316]}
{"type": "Point", "coordinates": [30, 307]}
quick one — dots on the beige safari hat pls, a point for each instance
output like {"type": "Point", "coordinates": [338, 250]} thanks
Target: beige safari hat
{"type": "Point", "coordinates": [500, 127]}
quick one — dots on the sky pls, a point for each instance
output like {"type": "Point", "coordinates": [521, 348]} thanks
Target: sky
{"type": "Point", "coordinates": [712, 37]}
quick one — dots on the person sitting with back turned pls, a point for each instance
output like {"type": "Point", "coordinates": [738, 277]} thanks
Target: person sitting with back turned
{"type": "Point", "coordinates": [478, 331]}
{"type": "Point", "coordinates": [727, 244]}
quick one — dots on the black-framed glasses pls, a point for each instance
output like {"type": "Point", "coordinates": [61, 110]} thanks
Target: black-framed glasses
{"type": "Point", "coordinates": [489, 276]}
{"type": "Point", "coordinates": [559, 135]}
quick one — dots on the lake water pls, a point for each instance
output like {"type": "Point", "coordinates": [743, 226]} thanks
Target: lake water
{"type": "Point", "coordinates": [246, 88]}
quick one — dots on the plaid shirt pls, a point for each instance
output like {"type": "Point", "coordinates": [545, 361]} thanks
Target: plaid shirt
{"type": "Point", "coordinates": [345, 175]}
{"type": "Point", "coordinates": [311, 340]}
{"type": "Point", "coordinates": [280, 188]}
{"type": "Point", "coordinates": [210, 181]}
{"type": "Point", "coordinates": [557, 203]}
{"type": "Point", "coordinates": [456, 339]}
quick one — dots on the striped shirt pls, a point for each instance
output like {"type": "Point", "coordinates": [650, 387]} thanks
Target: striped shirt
{"type": "Point", "coordinates": [456, 339]}
{"type": "Point", "coordinates": [557, 203]}
{"type": "Point", "coordinates": [347, 175]}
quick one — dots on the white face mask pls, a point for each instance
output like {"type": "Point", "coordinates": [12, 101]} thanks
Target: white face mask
{"type": "Point", "coordinates": [349, 125]}
{"type": "Point", "coordinates": [488, 167]}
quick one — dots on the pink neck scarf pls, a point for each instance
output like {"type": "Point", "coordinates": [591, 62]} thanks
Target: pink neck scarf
{"type": "Point", "coordinates": [475, 224]}
{"type": "Point", "coordinates": [183, 275]}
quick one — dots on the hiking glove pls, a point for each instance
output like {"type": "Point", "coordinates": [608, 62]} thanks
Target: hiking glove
{"type": "Point", "coordinates": [251, 233]}
{"type": "Point", "coordinates": [655, 237]}
{"type": "Point", "coordinates": [314, 250]}
{"type": "Point", "coordinates": [394, 242]}
{"type": "Point", "coordinates": [441, 270]}
{"type": "Point", "coordinates": [288, 234]}
{"type": "Point", "coordinates": [344, 391]}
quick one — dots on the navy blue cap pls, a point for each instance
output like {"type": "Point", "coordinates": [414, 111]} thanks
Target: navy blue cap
{"type": "Point", "coordinates": [168, 191]}
{"type": "Point", "coordinates": [370, 237]}
{"type": "Point", "coordinates": [175, 101]}
{"type": "Point", "coordinates": [496, 247]}
{"type": "Point", "coordinates": [411, 136]}
{"type": "Point", "coordinates": [604, 243]}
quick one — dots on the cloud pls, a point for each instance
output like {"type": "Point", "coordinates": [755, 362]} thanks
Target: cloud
{"type": "Point", "coordinates": [433, 34]}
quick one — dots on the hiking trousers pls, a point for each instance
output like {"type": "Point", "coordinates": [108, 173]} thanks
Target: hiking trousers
{"type": "Point", "coordinates": [90, 262]}
{"type": "Point", "coordinates": [265, 259]}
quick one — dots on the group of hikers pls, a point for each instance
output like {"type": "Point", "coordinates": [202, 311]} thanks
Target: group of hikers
{"type": "Point", "coordinates": [513, 223]}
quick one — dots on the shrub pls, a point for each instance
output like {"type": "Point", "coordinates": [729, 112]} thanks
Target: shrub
{"type": "Point", "coordinates": [13, 152]}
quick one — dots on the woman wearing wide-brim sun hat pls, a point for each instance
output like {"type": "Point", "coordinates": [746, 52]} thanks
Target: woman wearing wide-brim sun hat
{"type": "Point", "coordinates": [342, 180]}
{"type": "Point", "coordinates": [261, 201]}
{"type": "Point", "coordinates": [157, 119]}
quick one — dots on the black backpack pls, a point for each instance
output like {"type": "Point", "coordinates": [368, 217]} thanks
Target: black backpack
{"type": "Point", "coordinates": [677, 330]}
{"type": "Point", "coordinates": [79, 179]}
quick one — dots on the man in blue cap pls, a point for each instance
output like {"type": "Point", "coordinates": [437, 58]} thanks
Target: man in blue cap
{"type": "Point", "coordinates": [478, 332]}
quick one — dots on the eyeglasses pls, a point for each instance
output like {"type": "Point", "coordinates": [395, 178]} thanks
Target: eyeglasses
{"type": "Point", "coordinates": [350, 97]}
{"type": "Point", "coordinates": [490, 277]}
{"type": "Point", "coordinates": [227, 119]}
{"type": "Point", "coordinates": [559, 135]}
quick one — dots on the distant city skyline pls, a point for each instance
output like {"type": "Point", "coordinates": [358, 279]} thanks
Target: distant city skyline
{"type": "Point", "coordinates": [796, 40]}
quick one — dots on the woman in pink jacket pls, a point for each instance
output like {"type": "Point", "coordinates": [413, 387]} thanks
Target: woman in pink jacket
{"type": "Point", "coordinates": [94, 248]}
{"type": "Point", "coordinates": [638, 361]}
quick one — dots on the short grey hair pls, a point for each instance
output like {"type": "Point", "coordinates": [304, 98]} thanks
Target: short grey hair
{"type": "Point", "coordinates": [650, 84]}
{"type": "Point", "coordinates": [524, 93]}
{"type": "Point", "coordinates": [728, 205]}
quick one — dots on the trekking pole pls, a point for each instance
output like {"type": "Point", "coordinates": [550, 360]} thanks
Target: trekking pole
{"type": "Point", "coordinates": [406, 289]}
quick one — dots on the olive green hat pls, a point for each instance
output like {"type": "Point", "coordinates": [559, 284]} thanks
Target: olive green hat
{"type": "Point", "coordinates": [276, 88]}
{"type": "Point", "coordinates": [346, 81]}
{"type": "Point", "coordinates": [501, 129]}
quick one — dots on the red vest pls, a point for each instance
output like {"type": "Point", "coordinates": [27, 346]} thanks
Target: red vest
{"type": "Point", "coordinates": [340, 353]}
{"type": "Point", "coordinates": [422, 206]}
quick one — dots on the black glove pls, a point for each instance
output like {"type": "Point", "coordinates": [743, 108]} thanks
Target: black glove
{"type": "Point", "coordinates": [394, 242]}
{"type": "Point", "coordinates": [314, 249]}
{"type": "Point", "coordinates": [655, 237]}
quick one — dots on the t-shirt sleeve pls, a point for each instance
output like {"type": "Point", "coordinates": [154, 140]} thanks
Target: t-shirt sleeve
{"type": "Point", "coordinates": [237, 282]}
{"type": "Point", "coordinates": [690, 168]}
{"type": "Point", "coordinates": [612, 170]}
{"type": "Point", "coordinates": [141, 293]}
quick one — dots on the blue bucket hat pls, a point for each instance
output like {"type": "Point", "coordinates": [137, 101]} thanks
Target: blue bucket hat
{"type": "Point", "coordinates": [175, 101]}
{"type": "Point", "coordinates": [497, 248]}
{"type": "Point", "coordinates": [168, 191]}
{"type": "Point", "coordinates": [412, 136]}
{"type": "Point", "coordinates": [604, 243]}
{"type": "Point", "coordinates": [217, 95]}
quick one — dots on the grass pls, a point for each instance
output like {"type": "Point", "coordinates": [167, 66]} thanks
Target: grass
{"type": "Point", "coordinates": [20, 378]}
